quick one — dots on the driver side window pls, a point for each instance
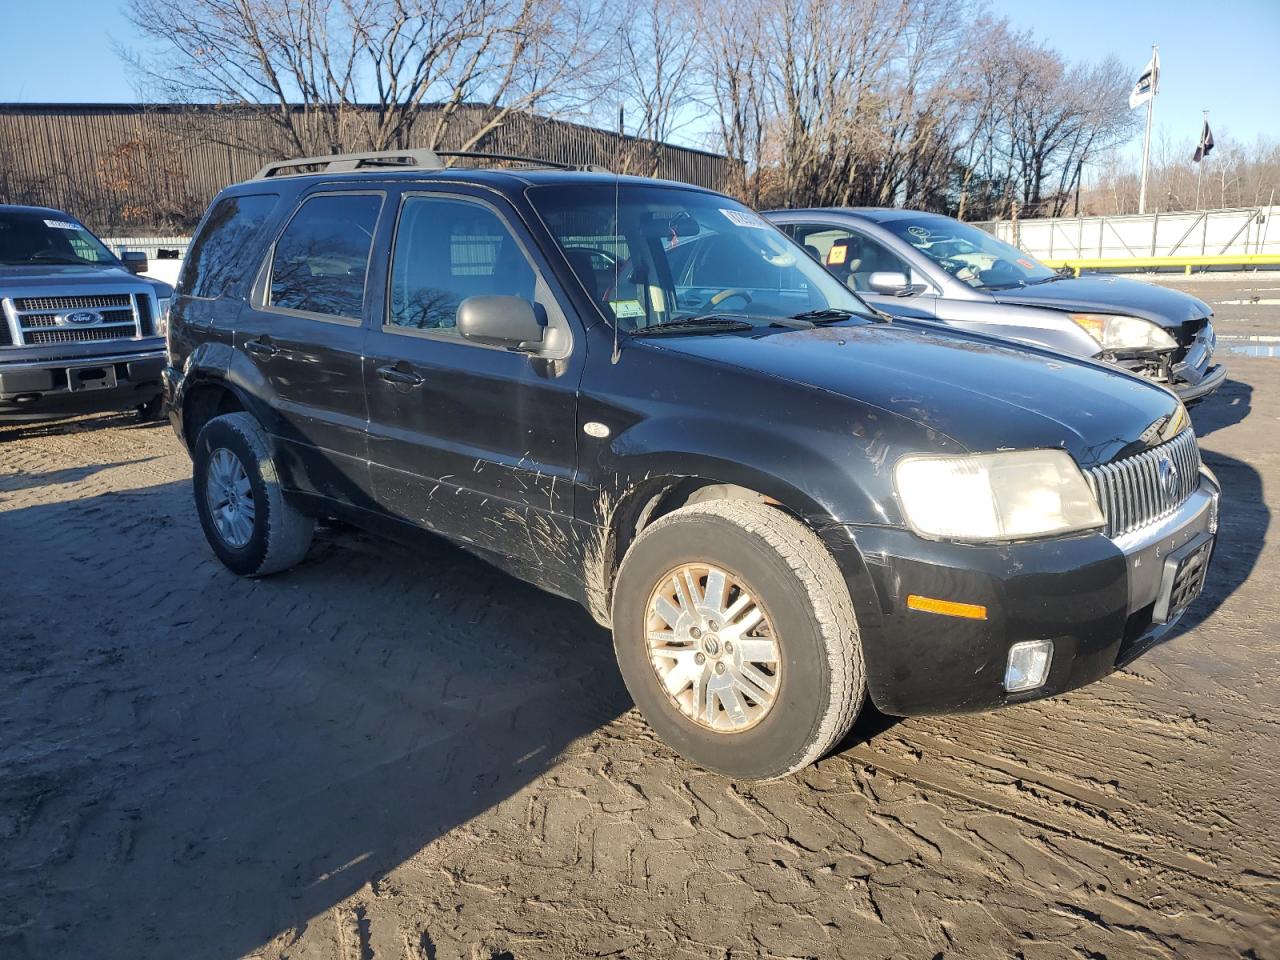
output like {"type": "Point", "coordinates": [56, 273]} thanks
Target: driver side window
{"type": "Point", "coordinates": [848, 255]}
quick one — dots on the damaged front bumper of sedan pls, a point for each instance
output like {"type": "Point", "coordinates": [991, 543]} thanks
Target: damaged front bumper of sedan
{"type": "Point", "coordinates": [1188, 370]}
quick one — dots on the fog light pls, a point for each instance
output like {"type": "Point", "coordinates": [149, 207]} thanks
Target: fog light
{"type": "Point", "coordinates": [1028, 665]}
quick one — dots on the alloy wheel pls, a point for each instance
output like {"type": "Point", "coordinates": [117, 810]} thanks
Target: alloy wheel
{"type": "Point", "coordinates": [713, 647]}
{"type": "Point", "coordinates": [229, 496]}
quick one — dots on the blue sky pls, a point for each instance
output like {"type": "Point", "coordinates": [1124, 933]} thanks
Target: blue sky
{"type": "Point", "coordinates": [1221, 56]}
{"type": "Point", "coordinates": [1224, 56]}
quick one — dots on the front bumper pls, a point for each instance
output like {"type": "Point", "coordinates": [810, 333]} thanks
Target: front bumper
{"type": "Point", "coordinates": [1099, 600]}
{"type": "Point", "coordinates": [41, 389]}
{"type": "Point", "coordinates": [1193, 377]}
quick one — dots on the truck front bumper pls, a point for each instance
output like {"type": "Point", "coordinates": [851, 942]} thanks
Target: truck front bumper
{"type": "Point", "coordinates": [1100, 601]}
{"type": "Point", "coordinates": [42, 389]}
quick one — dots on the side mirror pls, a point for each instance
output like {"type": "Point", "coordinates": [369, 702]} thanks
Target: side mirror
{"type": "Point", "coordinates": [510, 322]}
{"type": "Point", "coordinates": [889, 283]}
{"type": "Point", "coordinates": [135, 261]}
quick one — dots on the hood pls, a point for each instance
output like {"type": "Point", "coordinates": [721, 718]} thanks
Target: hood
{"type": "Point", "coordinates": [1101, 293]}
{"type": "Point", "coordinates": [73, 278]}
{"type": "Point", "coordinates": [983, 393]}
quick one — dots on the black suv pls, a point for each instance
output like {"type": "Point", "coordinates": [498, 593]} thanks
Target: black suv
{"type": "Point", "coordinates": [640, 395]}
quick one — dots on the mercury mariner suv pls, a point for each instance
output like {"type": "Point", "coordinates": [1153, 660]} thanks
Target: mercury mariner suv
{"type": "Point", "coordinates": [642, 396]}
{"type": "Point", "coordinates": [80, 332]}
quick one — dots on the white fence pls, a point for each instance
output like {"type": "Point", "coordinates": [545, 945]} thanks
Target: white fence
{"type": "Point", "coordinates": [1210, 233]}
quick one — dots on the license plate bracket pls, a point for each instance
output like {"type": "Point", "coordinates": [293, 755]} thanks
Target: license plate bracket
{"type": "Point", "coordinates": [1183, 579]}
{"type": "Point", "coordinates": [91, 378]}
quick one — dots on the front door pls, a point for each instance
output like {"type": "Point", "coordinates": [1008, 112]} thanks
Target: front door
{"type": "Point", "coordinates": [853, 256]}
{"type": "Point", "coordinates": [303, 337]}
{"type": "Point", "coordinates": [470, 441]}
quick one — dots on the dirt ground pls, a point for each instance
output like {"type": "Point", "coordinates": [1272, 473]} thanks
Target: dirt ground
{"type": "Point", "coordinates": [394, 754]}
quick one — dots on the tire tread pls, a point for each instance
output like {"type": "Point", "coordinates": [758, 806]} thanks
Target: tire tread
{"type": "Point", "coordinates": [816, 570]}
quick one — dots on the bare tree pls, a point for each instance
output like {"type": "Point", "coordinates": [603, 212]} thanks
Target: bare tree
{"type": "Point", "coordinates": [656, 55]}
{"type": "Point", "coordinates": [348, 74]}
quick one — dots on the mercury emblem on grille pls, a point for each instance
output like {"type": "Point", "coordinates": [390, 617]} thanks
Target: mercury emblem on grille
{"type": "Point", "coordinates": [1168, 476]}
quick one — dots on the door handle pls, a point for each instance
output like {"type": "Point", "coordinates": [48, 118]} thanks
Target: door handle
{"type": "Point", "coordinates": [263, 349]}
{"type": "Point", "coordinates": [400, 376]}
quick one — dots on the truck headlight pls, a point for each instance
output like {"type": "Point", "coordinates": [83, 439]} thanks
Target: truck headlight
{"type": "Point", "coordinates": [162, 316]}
{"type": "Point", "coordinates": [995, 496]}
{"type": "Point", "coordinates": [1115, 332]}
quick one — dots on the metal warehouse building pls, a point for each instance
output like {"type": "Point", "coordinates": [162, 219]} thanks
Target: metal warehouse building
{"type": "Point", "coordinates": [129, 168]}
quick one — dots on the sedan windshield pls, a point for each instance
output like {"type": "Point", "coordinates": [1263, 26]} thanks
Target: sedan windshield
{"type": "Point", "coordinates": [37, 236]}
{"type": "Point", "coordinates": [683, 260]}
{"type": "Point", "coordinates": [968, 253]}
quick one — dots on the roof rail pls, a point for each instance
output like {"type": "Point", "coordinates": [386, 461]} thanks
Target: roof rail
{"type": "Point", "coordinates": [516, 158]}
{"type": "Point", "coordinates": [415, 159]}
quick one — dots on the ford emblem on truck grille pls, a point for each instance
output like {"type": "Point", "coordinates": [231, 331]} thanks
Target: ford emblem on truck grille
{"type": "Point", "coordinates": [82, 318]}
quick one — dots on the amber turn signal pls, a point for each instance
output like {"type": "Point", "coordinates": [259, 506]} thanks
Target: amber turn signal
{"type": "Point", "coordinates": [949, 608]}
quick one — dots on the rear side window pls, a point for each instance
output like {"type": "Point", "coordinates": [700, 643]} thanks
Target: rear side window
{"type": "Point", "coordinates": [447, 250]}
{"type": "Point", "coordinates": [322, 258]}
{"type": "Point", "coordinates": [224, 251]}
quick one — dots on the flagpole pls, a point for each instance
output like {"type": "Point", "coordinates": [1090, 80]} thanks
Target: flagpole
{"type": "Point", "coordinates": [1146, 140]}
{"type": "Point", "coordinates": [1203, 158]}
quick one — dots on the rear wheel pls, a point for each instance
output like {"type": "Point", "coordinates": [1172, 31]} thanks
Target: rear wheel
{"type": "Point", "coordinates": [737, 638]}
{"type": "Point", "coordinates": [246, 519]}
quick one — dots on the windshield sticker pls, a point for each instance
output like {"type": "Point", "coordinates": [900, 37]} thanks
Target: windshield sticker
{"type": "Point", "coordinates": [837, 254]}
{"type": "Point", "coordinates": [741, 218]}
{"type": "Point", "coordinates": [918, 231]}
{"type": "Point", "coordinates": [1024, 262]}
{"type": "Point", "coordinates": [626, 309]}
{"type": "Point", "coordinates": [60, 225]}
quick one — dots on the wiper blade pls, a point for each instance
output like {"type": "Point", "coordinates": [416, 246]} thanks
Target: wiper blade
{"type": "Point", "coordinates": [704, 324]}
{"type": "Point", "coordinates": [828, 315]}
{"type": "Point", "coordinates": [1052, 279]}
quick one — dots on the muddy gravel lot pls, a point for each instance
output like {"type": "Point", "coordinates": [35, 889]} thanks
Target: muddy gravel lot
{"type": "Point", "coordinates": [404, 754]}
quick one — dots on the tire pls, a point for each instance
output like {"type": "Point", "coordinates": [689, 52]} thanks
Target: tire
{"type": "Point", "coordinates": [152, 410]}
{"type": "Point", "coordinates": [277, 535]}
{"type": "Point", "coordinates": [807, 625]}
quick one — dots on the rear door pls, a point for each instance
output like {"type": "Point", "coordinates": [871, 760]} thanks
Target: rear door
{"type": "Point", "coordinates": [474, 442]}
{"type": "Point", "coordinates": [303, 336]}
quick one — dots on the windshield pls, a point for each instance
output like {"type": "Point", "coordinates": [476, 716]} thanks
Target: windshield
{"type": "Point", "coordinates": [968, 253]}
{"type": "Point", "coordinates": [38, 236]}
{"type": "Point", "coordinates": [654, 255]}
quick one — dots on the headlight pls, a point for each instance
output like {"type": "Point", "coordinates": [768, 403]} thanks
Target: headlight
{"type": "Point", "coordinates": [996, 496]}
{"type": "Point", "coordinates": [1123, 333]}
{"type": "Point", "coordinates": [162, 316]}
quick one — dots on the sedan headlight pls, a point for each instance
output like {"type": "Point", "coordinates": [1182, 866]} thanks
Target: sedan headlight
{"type": "Point", "coordinates": [996, 496]}
{"type": "Point", "coordinates": [1114, 332]}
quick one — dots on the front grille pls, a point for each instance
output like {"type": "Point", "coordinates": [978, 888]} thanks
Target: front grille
{"type": "Point", "coordinates": [1186, 333]}
{"type": "Point", "coordinates": [40, 320]}
{"type": "Point", "coordinates": [31, 321]}
{"type": "Point", "coordinates": [90, 302]}
{"type": "Point", "coordinates": [73, 335]}
{"type": "Point", "coordinates": [1133, 492]}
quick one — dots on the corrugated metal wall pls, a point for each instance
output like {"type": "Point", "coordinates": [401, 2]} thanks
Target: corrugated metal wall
{"type": "Point", "coordinates": [128, 168]}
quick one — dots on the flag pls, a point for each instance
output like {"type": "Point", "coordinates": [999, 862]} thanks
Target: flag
{"type": "Point", "coordinates": [1148, 84]}
{"type": "Point", "coordinates": [1205, 144]}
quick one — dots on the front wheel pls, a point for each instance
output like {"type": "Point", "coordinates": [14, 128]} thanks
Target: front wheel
{"type": "Point", "coordinates": [737, 639]}
{"type": "Point", "coordinates": [249, 524]}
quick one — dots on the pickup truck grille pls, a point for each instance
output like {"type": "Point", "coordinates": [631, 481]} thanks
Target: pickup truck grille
{"type": "Point", "coordinates": [1147, 487]}
{"type": "Point", "coordinates": [40, 321]}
